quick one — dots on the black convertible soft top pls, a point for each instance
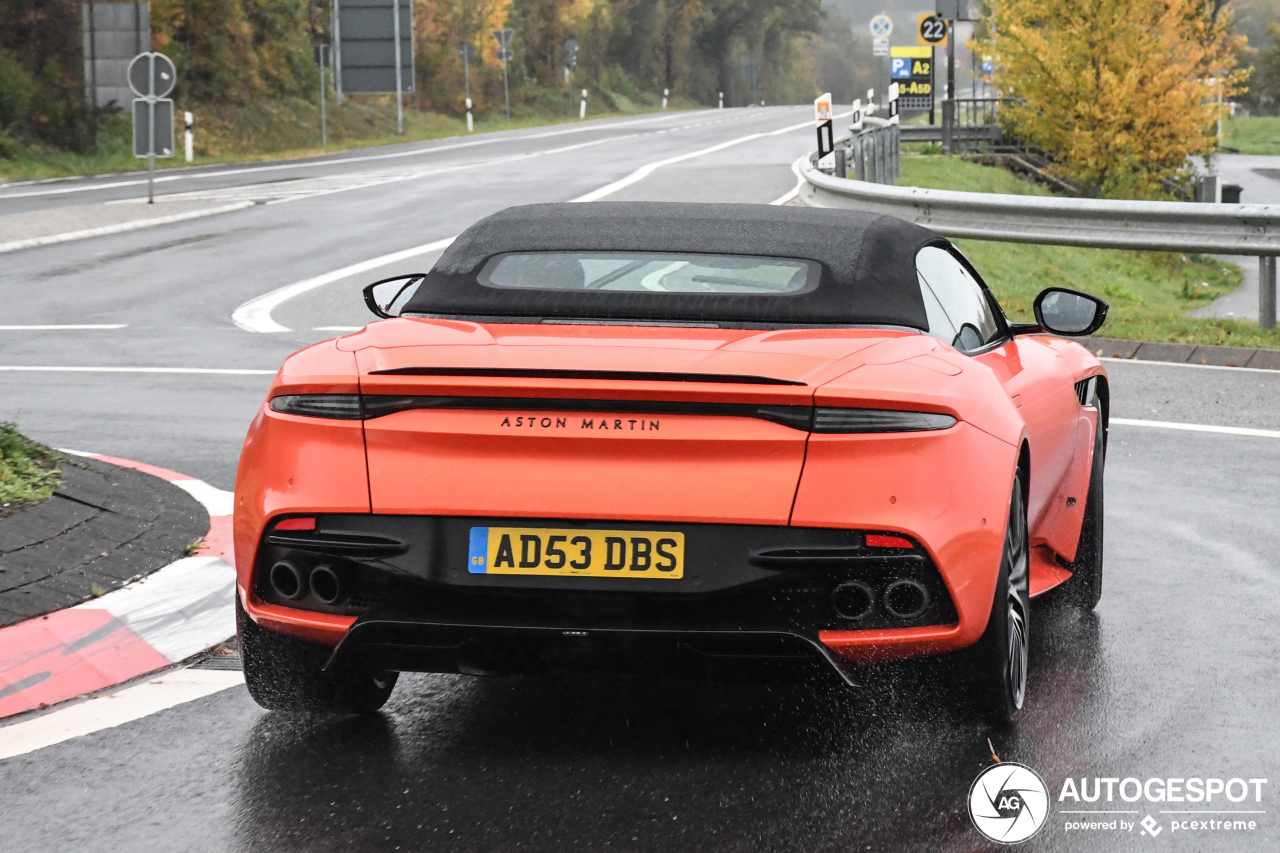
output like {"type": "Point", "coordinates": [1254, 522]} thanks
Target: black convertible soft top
{"type": "Point", "coordinates": [868, 263]}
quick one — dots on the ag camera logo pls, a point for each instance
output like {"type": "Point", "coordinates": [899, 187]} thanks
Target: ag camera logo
{"type": "Point", "coordinates": [1008, 803]}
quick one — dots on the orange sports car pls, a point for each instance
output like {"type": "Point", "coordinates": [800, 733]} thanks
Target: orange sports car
{"type": "Point", "coordinates": [713, 439]}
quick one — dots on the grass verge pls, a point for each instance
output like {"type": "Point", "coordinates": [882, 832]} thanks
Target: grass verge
{"type": "Point", "coordinates": [28, 471]}
{"type": "Point", "coordinates": [1149, 292]}
{"type": "Point", "coordinates": [282, 128]}
{"type": "Point", "coordinates": [1255, 135]}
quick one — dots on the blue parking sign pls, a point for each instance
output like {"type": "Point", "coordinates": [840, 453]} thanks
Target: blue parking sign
{"type": "Point", "coordinates": [900, 68]}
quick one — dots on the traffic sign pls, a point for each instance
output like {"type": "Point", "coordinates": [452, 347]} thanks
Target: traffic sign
{"type": "Point", "coordinates": [503, 37]}
{"type": "Point", "coordinates": [505, 54]}
{"type": "Point", "coordinates": [570, 53]}
{"type": "Point", "coordinates": [151, 75]}
{"type": "Point", "coordinates": [912, 69]}
{"type": "Point", "coordinates": [880, 47]}
{"type": "Point", "coordinates": [881, 27]}
{"type": "Point", "coordinates": [152, 128]}
{"type": "Point", "coordinates": [931, 30]}
{"type": "Point", "coordinates": [466, 52]}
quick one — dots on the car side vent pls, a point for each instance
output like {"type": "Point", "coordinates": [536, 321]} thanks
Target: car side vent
{"type": "Point", "coordinates": [1087, 391]}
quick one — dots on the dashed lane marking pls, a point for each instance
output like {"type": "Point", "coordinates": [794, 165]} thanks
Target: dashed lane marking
{"type": "Point", "coordinates": [1223, 430]}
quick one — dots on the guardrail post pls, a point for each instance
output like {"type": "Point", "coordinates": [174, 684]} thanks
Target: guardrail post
{"type": "Point", "coordinates": [948, 122]}
{"type": "Point", "coordinates": [1267, 292]}
{"type": "Point", "coordinates": [895, 139]}
{"type": "Point", "coordinates": [841, 170]}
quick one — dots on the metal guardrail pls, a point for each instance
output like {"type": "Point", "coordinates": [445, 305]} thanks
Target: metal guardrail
{"type": "Point", "coordinates": [1164, 226]}
{"type": "Point", "coordinates": [872, 154]}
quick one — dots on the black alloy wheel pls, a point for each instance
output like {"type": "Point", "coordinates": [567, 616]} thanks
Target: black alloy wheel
{"type": "Point", "coordinates": [1084, 588]}
{"type": "Point", "coordinates": [286, 674]}
{"type": "Point", "coordinates": [998, 662]}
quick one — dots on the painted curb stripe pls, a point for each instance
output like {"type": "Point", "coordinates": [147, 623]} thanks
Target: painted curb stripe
{"type": "Point", "coordinates": [166, 617]}
{"type": "Point", "coordinates": [114, 709]}
{"type": "Point", "coordinates": [1221, 430]}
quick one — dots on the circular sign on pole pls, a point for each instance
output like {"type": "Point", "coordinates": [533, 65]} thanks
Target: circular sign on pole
{"type": "Point", "coordinates": [152, 75]}
{"type": "Point", "coordinates": [933, 29]}
{"type": "Point", "coordinates": [881, 27]}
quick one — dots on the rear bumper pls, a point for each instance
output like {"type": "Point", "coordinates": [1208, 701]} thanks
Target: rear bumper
{"type": "Point", "coordinates": [752, 596]}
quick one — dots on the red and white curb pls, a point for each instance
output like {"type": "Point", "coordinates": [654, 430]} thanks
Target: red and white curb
{"type": "Point", "coordinates": [182, 609]}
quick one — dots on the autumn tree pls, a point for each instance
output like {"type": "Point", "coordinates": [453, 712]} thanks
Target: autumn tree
{"type": "Point", "coordinates": [1119, 92]}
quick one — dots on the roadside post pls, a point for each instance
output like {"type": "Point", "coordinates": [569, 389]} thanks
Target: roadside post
{"type": "Point", "coordinates": [466, 51]}
{"type": "Point", "coordinates": [881, 29]}
{"type": "Point", "coordinates": [1267, 292]}
{"type": "Point", "coordinates": [322, 62]}
{"type": "Point", "coordinates": [721, 100]}
{"type": "Point", "coordinates": [570, 63]}
{"type": "Point", "coordinates": [582, 113]}
{"type": "Point", "coordinates": [188, 136]}
{"type": "Point", "coordinates": [826, 133]}
{"type": "Point", "coordinates": [152, 76]}
{"type": "Point", "coordinates": [871, 102]}
{"type": "Point", "coordinates": [666, 93]}
{"type": "Point", "coordinates": [931, 32]}
{"type": "Point", "coordinates": [894, 118]}
{"type": "Point", "coordinates": [855, 124]}
{"type": "Point", "coordinates": [950, 11]}
{"type": "Point", "coordinates": [395, 26]}
{"type": "Point", "coordinates": [504, 53]}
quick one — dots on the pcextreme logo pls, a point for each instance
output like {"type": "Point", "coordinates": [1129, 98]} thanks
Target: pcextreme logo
{"type": "Point", "coordinates": [1008, 802]}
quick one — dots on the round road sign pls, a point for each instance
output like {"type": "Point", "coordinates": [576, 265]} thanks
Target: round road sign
{"type": "Point", "coordinates": [151, 75]}
{"type": "Point", "coordinates": [881, 26]}
{"type": "Point", "coordinates": [933, 29]}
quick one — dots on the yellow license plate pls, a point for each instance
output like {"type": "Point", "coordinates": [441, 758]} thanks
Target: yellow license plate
{"type": "Point", "coordinates": [589, 553]}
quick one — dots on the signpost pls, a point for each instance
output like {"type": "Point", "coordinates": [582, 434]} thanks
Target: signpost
{"type": "Point", "coordinates": [826, 134]}
{"type": "Point", "coordinates": [466, 51]}
{"type": "Point", "coordinates": [912, 69]}
{"type": "Point", "coordinates": [881, 29]}
{"type": "Point", "coordinates": [374, 50]}
{"type": "Point", "coordinates": [880, 47]}
{"type": "Point", "coordinates": [570, 63]}
{"type": "Point", "coordinates": [322, 62]}
{"type": "Point", "coordinates": [505, 54]}
{"type": "Point", "coordinates": [151, 76]}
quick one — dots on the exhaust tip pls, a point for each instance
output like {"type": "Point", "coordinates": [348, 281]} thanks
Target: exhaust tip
{"type": "Point", "coordinates": [287, 581]}
{"type": "Point", "coordinates": [852, 600]}
{"type": "Point", "coordinates": [325, 585]}
{"type": "Point", "coordinates": [906, 599]}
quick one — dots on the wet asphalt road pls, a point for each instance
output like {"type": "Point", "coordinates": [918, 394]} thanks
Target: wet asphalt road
{"type": "Point", "coordinates": [1175, 675]}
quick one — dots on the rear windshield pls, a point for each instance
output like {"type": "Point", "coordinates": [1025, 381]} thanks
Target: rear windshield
{"type": "Point", "coordinates": [659, 272]}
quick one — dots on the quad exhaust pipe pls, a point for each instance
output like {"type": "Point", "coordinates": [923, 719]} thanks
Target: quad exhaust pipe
{"type": "Point", "coordinates": [325, 585]}
{"type": "Point", "coordinates": [288, 581]}
{"type": "Point", "coordinates": [906, 599]}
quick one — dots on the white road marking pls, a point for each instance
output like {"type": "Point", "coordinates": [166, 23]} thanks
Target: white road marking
{"type": "Point", "coordinates": [111, 709]}
{"type": "Point", "coordinates": [216, 371]}
{"type": "Point", "coordinates": [794, 191]}
{"type": "Point", "coordinates": [1185, 364]}
{"type": "Point", "coordinates": [1224, 430]}
{"type": "Point", "coordinates": [314, 163]}
{"type": "Point", "coordinates": [61, 328]}
{"type": "Point", "coordinates": [255, 315]}
{"type": "Point", "coordinates": [104, 230]}
{"type": "Point", "coordinates": [649, 168]}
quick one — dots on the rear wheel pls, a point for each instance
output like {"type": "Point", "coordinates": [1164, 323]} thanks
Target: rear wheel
{"type": "Point", "coordinates": [285, 674]}
{"type": "Point", "coordinates": [997, 663]}
{"type": "Point", "coordinates": [1084, 588]}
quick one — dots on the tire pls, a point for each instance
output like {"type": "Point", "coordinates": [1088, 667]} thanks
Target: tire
{"type": "Point", "coordinates": [996, 668]}
{"type": "Point", "coordinates": [1084, 588]}
{"type": "Point", "coordinates": [286, 674]}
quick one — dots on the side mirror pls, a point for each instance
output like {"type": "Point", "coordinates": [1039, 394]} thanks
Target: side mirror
{"type": "Point", "coordinates": [387, 298]}
{"type": "Point", "coordinates": [1069, 312]}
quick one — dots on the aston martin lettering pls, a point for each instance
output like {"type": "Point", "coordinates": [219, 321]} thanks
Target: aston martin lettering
{"type": "Point", "coordinates": [612, 424]}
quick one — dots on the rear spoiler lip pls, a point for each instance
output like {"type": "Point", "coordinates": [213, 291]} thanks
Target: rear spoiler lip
{"type": "Point", "coordinates": [609, 375]}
